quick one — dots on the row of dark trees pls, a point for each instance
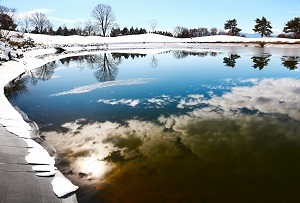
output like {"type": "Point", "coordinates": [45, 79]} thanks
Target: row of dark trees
{"type": "Point", "coordinates": [125, 31]}
{"type": "Point", "coordinates": [64, 31]}
{"type": "Point", "coordinates": [133, 31]}
{"type": "Point", "coordinates": [104, 24]}
{"type": "Point", "coordinates": [262, 26]}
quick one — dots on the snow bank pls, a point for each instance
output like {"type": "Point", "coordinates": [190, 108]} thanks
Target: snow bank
{"type": "Point", "coordinates": [62, 186]}
{"type": "Point", "coordinates": [39, 156]}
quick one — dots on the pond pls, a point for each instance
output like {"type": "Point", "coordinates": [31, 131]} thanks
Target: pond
{"type": "Point", "coordinates": [174, 126]}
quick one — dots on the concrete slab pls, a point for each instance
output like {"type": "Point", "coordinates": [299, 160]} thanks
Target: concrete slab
{"type": "Point", "coordinates": [19, 183]}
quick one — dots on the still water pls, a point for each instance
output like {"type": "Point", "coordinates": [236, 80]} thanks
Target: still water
{"type": "Point", "coordinates": [178, 126]}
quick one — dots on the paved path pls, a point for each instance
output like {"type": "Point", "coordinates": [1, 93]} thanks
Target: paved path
{"type": "Point", "coordinates": [18, 182]}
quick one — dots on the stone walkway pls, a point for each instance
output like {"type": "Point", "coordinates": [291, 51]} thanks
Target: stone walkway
{"type": "Point", "coordinates": [18, 182]}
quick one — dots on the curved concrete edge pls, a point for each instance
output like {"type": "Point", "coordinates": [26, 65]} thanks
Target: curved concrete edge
{"type": "Point", "coordinates": [14, 123]}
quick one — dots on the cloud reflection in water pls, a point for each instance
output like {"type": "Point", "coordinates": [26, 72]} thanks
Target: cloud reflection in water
{"type": "Point", "coordinates": [243, 145]}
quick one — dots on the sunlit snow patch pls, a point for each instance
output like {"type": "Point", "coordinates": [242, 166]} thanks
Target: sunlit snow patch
{"type": "Point", "coordinates": [46, 174]}
{"type": "Point", "coordinates": [39, 156]}
{"type": "Point", "coordinates": [21, 132]}
{"type": "Point", "coordinates": [62, 186]}
{"type": "Point", "coordinates": [43, 168]}
{"type": "Point", "coordinates": [32, 144]}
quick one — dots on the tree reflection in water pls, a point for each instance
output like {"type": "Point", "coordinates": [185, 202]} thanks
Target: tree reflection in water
{"type": "Point", "coordinates": [230, 61]}
{"type": "Point", "coordinates": [45, 72]}
{"type": "Point", "coordinates": [178, 54]}
{"type": "Point", "coordinates": [154, 62]}
{"type": "Point", "coordinates": [290, 62]}
{"type": "Point", "coordinates": [261, 61]}
{"type": "Point", "coordinates": [105, 65]}
{"type": "Point", "coordinates": [18, 86]}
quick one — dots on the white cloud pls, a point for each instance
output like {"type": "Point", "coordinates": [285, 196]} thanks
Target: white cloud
{"type": "Point", "coordinates": [64, 20]}
{"type": "Point", "coordinates": [129, 102]}
{"type": "Point", "coordinates": [29, 13]}
{"type": "Point", "coordinates": [191, 101]}
{"type": "Point", "coordinates": [156, 101]}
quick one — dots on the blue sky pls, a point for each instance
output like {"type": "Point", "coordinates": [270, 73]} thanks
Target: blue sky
{"type": "Point", "coordinates": [168, 14]}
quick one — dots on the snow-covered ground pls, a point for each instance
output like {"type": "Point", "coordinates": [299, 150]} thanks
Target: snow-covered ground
{"type": "Point", "coordinates": [80, 45]}
{"type": "Point", "coordinates": [148, 38]}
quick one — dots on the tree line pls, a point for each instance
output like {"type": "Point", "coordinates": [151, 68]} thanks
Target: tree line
{"type": "Point", "coordinates": [103, 23]}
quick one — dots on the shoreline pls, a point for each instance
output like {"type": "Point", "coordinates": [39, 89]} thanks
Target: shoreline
{"type": "Point", "coordinates": [36, 58]}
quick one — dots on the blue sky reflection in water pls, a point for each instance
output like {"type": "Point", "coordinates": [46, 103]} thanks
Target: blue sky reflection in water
{"type": "Point", "coordinates": [175, 126]}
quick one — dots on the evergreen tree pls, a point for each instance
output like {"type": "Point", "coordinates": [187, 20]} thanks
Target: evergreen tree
{"type": "Point", "coordinates": [72, 31]}
{"type": "Point", "coordinates": [136, 31]}
{"type": "Point", "coordinates": [263, 27]}
{"type": "Point", "coordinates": [59, 31]}
{"type": "Point", "coordinates": [142, 31]}
{"type": "Point", "coordinates": [231, 25]}
{"type": "Point", "coordinates": [293, 26]}
{"type": "Point", "coordinates": [125, 31]}
{"type": "Point", "coordinates": [44, 31]}
{"type": "Point", "coordinates": [131, 31]}
{"type": "Point", "coordinates": [50, 31]}
{"type": "Point", "coordinates": [115, 32]}
{"type": "Point", "coordinates": [65, 31]}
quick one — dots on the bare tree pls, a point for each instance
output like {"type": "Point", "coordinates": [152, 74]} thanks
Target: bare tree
{"type": "Point", "coordinates": [213, 31]}
{"type": "Point", "coordinates": [89, 28]}
{"type": "Point", "coordinates": [181, 32]}
{"type": "Point", "coordinates": [104, 17]}
{"type": "Point", "coordinates": [203, 31]}
{"type": "Point", "coordinates": [153, 24]}
{"type": "Point", "coordinates": [78, 28]}
{"type": "Point", "coordinates": [39, 21]}
{"type": "Point", "coordinates": [24, 23]}
{"type": "Point", "coordinates": [154, 62]}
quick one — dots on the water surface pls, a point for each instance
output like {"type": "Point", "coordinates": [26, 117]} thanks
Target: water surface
{"type": "Point", "coordinates": [178, 126]}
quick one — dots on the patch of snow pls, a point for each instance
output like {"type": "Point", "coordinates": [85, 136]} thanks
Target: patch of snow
{"type": "Point", "coordinates": [43, 168]}
{"type": "Point", "coordinates": [89, 88]}
{"type": "Point", "coordinates": [46, 174]}
{"type": "Point", "coordinates": [32, 144]}
{"type": "Point", "coordinates": [14, 123]}
{"type": "Point", "coordinates": [39, 156]}
{"type": "Point", "coordinates": [62, 186]}
{"type": "Point", "coordinates": [21, 132]}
